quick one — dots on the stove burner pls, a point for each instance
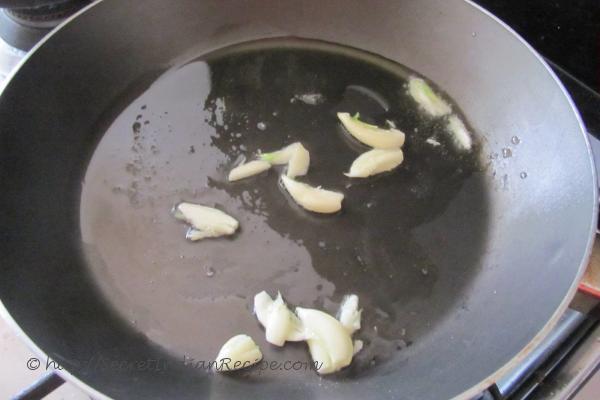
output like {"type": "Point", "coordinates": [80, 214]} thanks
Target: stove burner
{"type": "Point", "coordinates": [24, 27]}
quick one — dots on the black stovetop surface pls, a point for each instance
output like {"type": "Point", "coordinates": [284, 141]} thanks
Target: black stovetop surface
{"type": "Point", "coordinates": [567, 34]}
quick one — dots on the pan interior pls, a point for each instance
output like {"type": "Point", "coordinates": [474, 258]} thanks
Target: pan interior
{"type": "Point", "coordinates": [408, 242]}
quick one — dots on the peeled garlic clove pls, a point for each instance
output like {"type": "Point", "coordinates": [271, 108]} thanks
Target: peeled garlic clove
{"type": "Point", "coordinates": [205, 221]}
{"type": "Point", "coordinates": [282, 156]}
{"type": "Point", "coordinates": [375, 162]}
{"type": "Point", "coordinates": [294, 331]}
{"type": "Point", "coordinates": [262, 306]}
{"type": "Point", "coordinates": [313, 199]}
{"type": "Point", "coordinates": [460, 134]}
{"type": "Point", "coordinates": [299, 162]}
{"type": "Point", "coordinates": [194, 234]}
{"type": "Point", "coordinates": [280, 323]}
{"type": "Point", "coordinates": [372, 135]}
{"type": "Point", "coordinates": [238, 352]}
{"type": "Point", "coordinates": [358, 346]}
{"type": "Point", "coordinates": [328, 341]}
{"type": "Point", "coordinates": [429, 101]}
{"type": "Point", "coordinates": [349, 314]}
{"type": "Point", "coordinates": [295, 155]}
{"type": "Point", "coordinates": [248, 169]}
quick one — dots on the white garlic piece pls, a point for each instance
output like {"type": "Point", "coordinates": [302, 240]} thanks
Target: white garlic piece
{"type": "Point", "coordinates": [328, 341]}
{"type": "Point", "coordinates": [280, 323]}
{"type": "Point", "coordinates": [238, 352]}
{"type": "Point", "coordinates": [349, 314]}
{"type": "Point", "coordinates": [313, 199]}
{"type": "Point", "coordinates": [299, 162]}
{"type": "Point", "coordinates": [246, 170]}
{"type": "Point", "coordinates": [279, 157]}
{"type": "Point", "coordinates": [358, 346]}
{"type": "Point", "coordinates": [429, 101]}
{"type": "Point", "coordinates": [372, 135]}
{"type": "Point", "coordinates": [205, 221]}
{"type": "Point", "coordinates": [459, 132]}
{"type": "Point", "coordinates": [295, 155]}
{"type": "Point", "coordinates": [282, 156]}
{"type": "Point", "coordinates": [375, 162]}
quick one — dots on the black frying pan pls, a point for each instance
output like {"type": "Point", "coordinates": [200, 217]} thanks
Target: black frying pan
{"type": "Point", "coordinates": [110, 283]}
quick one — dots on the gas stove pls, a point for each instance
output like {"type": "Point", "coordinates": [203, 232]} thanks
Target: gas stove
{"type": "Point", "coordinates": [567, 34]}
{"type": "Point", "coordinates": [22, 26]}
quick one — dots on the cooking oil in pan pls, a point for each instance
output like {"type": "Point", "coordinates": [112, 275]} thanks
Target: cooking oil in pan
{"type": "Point", "coordinates": [408, 242]}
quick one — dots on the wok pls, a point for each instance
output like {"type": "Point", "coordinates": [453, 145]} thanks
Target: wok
{"type": "Point", "coordinates": [95, 272]}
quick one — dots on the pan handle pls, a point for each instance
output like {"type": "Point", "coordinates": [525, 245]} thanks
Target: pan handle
{"type": "Point", "coordinates": [589, 290]}
{"type": "Point", "coordinates": [587, 101]}
{"type": "Point", "coordinates": [590, 283]}
{"type": "Point", "coordinates": [45, 385]}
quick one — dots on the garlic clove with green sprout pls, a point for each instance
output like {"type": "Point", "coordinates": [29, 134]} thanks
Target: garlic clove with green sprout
{"type": "Point", "coordinates": [248, 169]}
{"type": "Point", "coordinates": [295, 155]}
{"type": "Point", "coordinates": [427, 99]}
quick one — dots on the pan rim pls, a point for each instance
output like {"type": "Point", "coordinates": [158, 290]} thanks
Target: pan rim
{"type": "Point", "coordinates": [4, 313]}
{"type": "Point", "coordinates": [486, 382]}
{"type": "Point", "coordinates": [537, 339]}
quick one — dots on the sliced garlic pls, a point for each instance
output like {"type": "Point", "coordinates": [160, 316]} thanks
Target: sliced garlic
{"type": "Point", "coordinates": [280, 323]}
{"type": "Point", "coordinates": [248, 169]}
{"type": "Point", "coordinates": [299, 162]}
{"type": "Point", "coordinates": [238, 352]}
{"type": "Point", "coordinates": [422, 93]}
{"type": "Point", "coordinates": [295, 155]}
{"type": "Point", "coordinates": [281, 156]}
{"type": "Point", "coordinates": [349, 314]}
{"type": "Point", "coordinates": [358, 346]}
{"type": "Point", "coordinates": [205, 221]}
{"type": "Point", "coordinates": [328, 341]}
{"type": "Point", "coordinates": [460, 134]}
{"type": "Point", "coordinates": [375, 162]}
{"type": "Point", "coordinates": [313, 199]}
{"type": "Point", "coordinates": [372, 135]}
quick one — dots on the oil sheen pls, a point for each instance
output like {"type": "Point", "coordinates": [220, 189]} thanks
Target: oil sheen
{"type": "Point", "coordinates": [408, 242]}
